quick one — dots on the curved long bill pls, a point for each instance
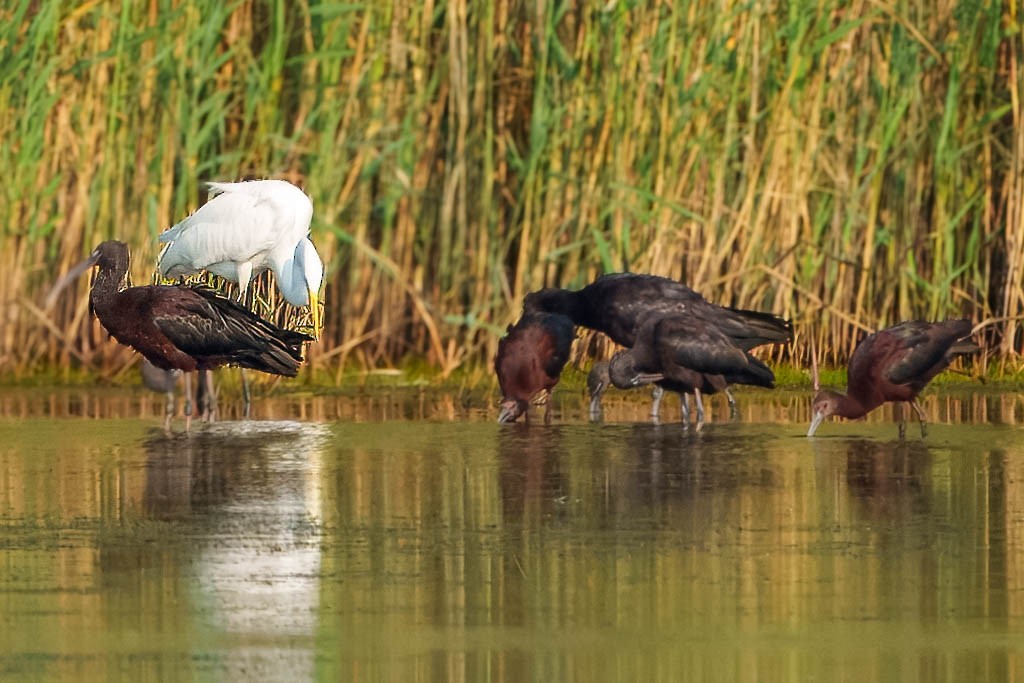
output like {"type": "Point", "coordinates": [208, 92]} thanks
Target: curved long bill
{"type": "Point", "coordinates": [314, 311]}
{"type": "Point", "coordinates": [815, 422]}
{"type": "Point", "coordinates": [646, 378]}
{"type": "Point", "coordinates": [67, 279]}
{"type": "Point", "coordinates": [510, 410]}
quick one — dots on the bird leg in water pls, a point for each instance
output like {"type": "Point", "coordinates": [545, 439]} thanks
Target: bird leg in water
{"type": "Point", "coordinates": [595, 402]}
{"type": "Point", "coordinates": [246, 395]}
{"type": "Point", "coordinates": [206, 396]}
{"type": "Point", "coordinates": [920, 416]}
{"type": "Point", "coordinates": [188, 401]}
{"type": "Point", "coordinates": [169, 410]}
{"type": "Point", "coordinates": [700, 408]}
{"type": "Point", "coordinates": [684, 409]}
{"type": "Point", "coordinates": [734, 412]}
{"type": "Point", "coordinates": [897, 408]}
{"type": "Point", "coordinates": [656, 402]}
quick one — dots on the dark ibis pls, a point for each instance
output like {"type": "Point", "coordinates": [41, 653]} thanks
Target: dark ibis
{"type": "Point", "coordinates": [688, 356]}
{"type": "Point", "coordinates": [177, 327]}
{"type": "Point", "coordinates": [893, 364]}
{"type": "Point", "coordinates": [617, 305]}
{"type": "Point", "coordinates": [600, 378]}
{"type": "Point", "coordinates": [529, 362]}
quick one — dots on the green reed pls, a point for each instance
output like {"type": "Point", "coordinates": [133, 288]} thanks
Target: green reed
{"type": "Point", "coordinates": [847, 165]}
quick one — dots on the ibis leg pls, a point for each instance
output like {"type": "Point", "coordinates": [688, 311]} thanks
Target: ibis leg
{"type": "Point", "coordinates": [700, 408]}
{"type": "Point", "coordinates": [898, 408]}
{"type": "Point", "coordinates": [656, 401]}
{"type": "Point", "coordinates": [188, 401]}
{"type": "Point", "coordinates": [595, 402]}
{"type": "Point", "coordinates": [211, 388]}
{"type": "Point", "coordinates": [684, 409]}
{"type": "Point", "coordinates": [206, 395]}
{"type": "Point", "coordinates": [920, 416]}
{"type": "Point", "coordinates": [246, 395]}
{"type": "Point", "coordinates": [734, 412]}
{"type": "Point", "coordinates": [169, 410]}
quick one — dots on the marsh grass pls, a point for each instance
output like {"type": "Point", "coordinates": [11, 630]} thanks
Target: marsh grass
{"type": "Point", "coordinates": [844, 164]}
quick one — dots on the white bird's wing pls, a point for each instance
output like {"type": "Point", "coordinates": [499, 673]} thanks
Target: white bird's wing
{"type": "Point", "coordinates": [229, 227]}
{"type": "Point", "coordinates": [257, 222]}
{"type": "Point", "coordinates": [260, 189]}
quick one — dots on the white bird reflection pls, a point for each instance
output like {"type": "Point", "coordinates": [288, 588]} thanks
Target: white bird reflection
{"type": "Point", "coordinates": [254, 494]}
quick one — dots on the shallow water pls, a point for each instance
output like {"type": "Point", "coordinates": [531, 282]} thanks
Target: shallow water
{"type": "Point", "coordinates": [404, 536]}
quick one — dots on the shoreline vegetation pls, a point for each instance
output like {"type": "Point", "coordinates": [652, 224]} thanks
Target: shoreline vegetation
{"type": "Point", "coordinates": [845, 165]}
{"type": "Point", "coordinates": [476, 378]}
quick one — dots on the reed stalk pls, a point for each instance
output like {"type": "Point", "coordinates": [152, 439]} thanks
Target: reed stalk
{"type": "Point", "coordinates": [845, 164]}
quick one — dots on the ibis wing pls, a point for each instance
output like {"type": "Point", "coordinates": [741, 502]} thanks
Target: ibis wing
{"type": "Point", "coordinates": [715, 359]}
{"type": "Point", "coordinates": [917, 363]}
{"type": "Point", "coordinates": [199, 328]}
{"type": "Point", "coordinates": [909, 353]}
{"type": "Point", "coordinates": [707, 349]}
{"type": "Point", "coordinates": [618, 304]}
{"type": "Point", "coordinates": [922, 349]}
{"type": "Point", "coordinates": [627, 300]}
{"type": "Point", "coordinates": [215, 330]}
{"type": "Point", "coordinates": [692, 344]}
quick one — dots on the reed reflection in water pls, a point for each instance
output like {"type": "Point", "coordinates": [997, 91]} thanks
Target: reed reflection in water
{"type": "Point", "coordinates": [647, 552]}
{"type": "Point", "coordinates": [468, 550]}
{"type": "Point", "coordinates": [418, 404]}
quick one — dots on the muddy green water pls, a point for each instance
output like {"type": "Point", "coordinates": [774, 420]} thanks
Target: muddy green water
{"type": "Point", "coordinates": [409, 538]}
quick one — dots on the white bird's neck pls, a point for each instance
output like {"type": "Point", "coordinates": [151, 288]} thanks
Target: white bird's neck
{"type": "Point", "coordinates": [290, 279]}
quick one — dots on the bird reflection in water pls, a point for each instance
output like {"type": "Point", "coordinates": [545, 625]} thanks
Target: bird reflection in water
{"type": "Point", "coordinates": [532, 484]}
{"type": "Point", "coordinates": [229, 462]}
{"type": "Point", "coordinates": [888, 479]}
{"type": "Point", "coordinates": [650, 473]}
{"type": "Point", "coordinates": [249, 497]}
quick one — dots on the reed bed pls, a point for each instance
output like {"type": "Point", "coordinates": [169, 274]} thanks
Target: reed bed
{"type": "Point", "coordinates": [846, 164]}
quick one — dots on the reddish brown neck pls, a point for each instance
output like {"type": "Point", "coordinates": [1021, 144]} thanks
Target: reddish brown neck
{"type": "Point", "coordinates": [852, 407]}
{"type": "Point", "coordinates": [105, 287]}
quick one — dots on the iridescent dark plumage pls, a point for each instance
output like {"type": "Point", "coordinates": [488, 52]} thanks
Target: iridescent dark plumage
{"type": "Point", "coordinates": [618, 304]}
{"type": "Point", "coordinates": [895, 364]}
{"type": "Point", "coordinates": [183, 328]}
{"type": "Point", "coordinates": [688, 356]}
{"type": "Point", "coordinates": [530, 361]}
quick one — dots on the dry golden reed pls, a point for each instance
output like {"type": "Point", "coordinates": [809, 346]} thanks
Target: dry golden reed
{"type": "Point", "coordinates": [847, 164]}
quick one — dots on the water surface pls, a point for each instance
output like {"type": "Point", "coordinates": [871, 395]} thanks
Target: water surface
{"type": "Point", "coordinates": [405, 536]}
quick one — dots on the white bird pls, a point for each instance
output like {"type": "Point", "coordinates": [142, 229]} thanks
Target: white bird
{"type": "Point", "coordinates": [246, 228]}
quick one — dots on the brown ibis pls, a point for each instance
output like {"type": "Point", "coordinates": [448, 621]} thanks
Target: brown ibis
{"type": "Point", "coordinates": [177, 327]}
{"type": "Point", "coordinates": [893, 364]}
{"type": "Point", "coordinates": [688, 356]}
{"type": "Point", "coordinates": [529, 362]}
{"type": "Point", "coordinates": [617, 304]}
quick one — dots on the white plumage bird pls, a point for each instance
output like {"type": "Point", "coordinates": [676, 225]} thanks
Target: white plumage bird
{"type": "Point", "coordinates": [246, 228]}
